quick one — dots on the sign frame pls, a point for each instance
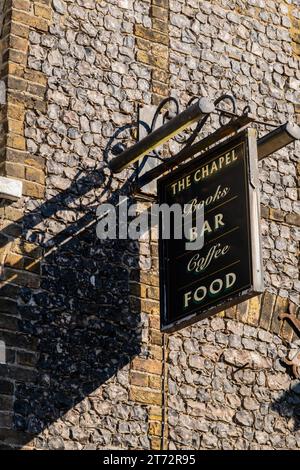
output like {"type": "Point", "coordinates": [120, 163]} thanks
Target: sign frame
{"type": "Point", "coordinates": [249, 138]}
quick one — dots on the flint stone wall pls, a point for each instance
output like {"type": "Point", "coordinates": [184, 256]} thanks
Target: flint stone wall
{"type": "Point", "coordinates": [86, 364]}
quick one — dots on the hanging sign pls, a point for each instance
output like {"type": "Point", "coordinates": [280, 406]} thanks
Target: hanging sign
{"type": "Point", "coordinates": [227, 269]}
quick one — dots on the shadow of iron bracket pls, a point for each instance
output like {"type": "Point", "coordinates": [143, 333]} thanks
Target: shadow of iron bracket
{"type": "Point", "coordinates": [293, 319]}
{"type": "Point", "coordinates": [295, 362]}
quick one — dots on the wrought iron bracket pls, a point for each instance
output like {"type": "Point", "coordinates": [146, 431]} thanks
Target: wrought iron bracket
{"type": "Point", "coordinates": [174, 122]}
{"type": "Point", "coordinates": [117, 155]}
{"type": "Point", "coordinates": [156, 137]}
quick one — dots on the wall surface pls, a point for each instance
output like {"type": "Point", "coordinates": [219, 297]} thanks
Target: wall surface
{"type": "Point", "coordinates": [248, 48]}
{"type": "Point", "coordinates": [86, 365]}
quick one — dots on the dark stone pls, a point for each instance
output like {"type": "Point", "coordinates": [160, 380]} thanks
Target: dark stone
{"type": "Point", "coordinates": [10, 290]}
{"type": "Point", "coordinates": [35, 425]}
{"type": "Point", "coordinates": [6, 387]}
{"type": "Point", "coordinates": [25, 294]}
{"type": "Point", "coordinates": [8, 306]}
{"type": "Point", "coordinates": [22, 407]}
{"type": "Point", "coordinates": [19, 423]}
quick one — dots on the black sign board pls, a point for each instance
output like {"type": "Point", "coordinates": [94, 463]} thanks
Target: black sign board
{"type": "Point", "coordinates": [195, 284]}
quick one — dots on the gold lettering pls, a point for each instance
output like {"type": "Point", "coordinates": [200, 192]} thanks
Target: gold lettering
{"type": "Point", "coordinates": [218, 221]}
{"type": "Point", "coordinates": [228, 158]}
{"type": "Point", "coordinates": [197, 176]}
{"type": "Point", "coordinates": [221, 160]}
{"type": "Point", "coordinates": [214, 167]}
{"type": "Point", "coordinates": [205, 171]}
{"type": "Point", "coordinates": [180, 185]}
{"type": "Point", "coordinates": [206, 227]}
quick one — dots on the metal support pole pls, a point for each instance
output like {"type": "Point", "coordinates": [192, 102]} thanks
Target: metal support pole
{"type": "Point", "coordinates": [193, 113]}
{"type": "Point", "coordinates": [278, 138]}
